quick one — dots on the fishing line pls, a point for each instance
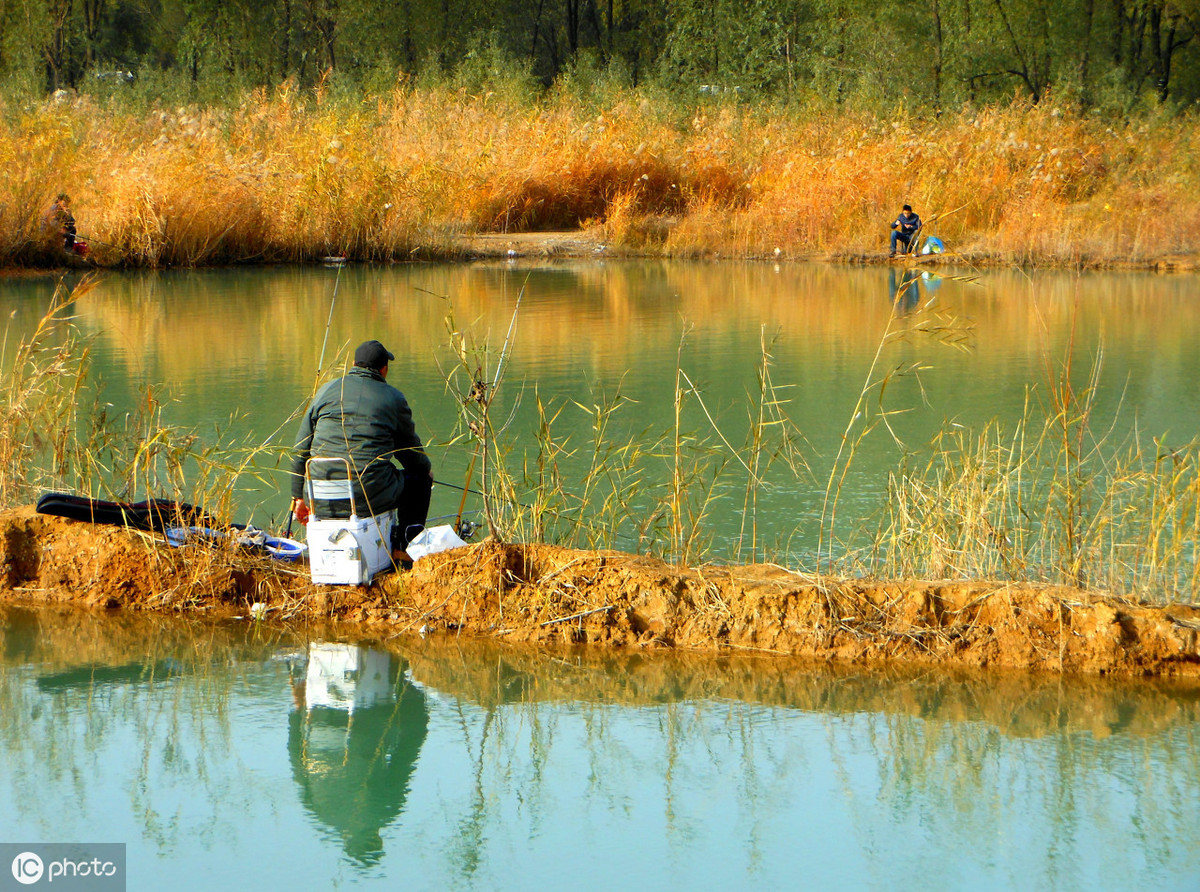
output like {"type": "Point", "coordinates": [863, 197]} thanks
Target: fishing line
{"type": "Point", "coordinates": [467, 489]}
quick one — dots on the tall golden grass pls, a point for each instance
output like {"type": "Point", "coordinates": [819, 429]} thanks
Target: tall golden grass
{"type": "Point", "coordinates": [289, 175]}
{"type": "Point", "coordinates": [59, 434]}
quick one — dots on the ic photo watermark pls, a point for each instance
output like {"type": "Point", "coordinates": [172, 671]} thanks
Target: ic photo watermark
{"type": "Point", "coordinates": [63, 867]}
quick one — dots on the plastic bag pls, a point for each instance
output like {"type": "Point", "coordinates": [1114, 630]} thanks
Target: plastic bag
{"type": "Point", "coordinates": [433, 540]}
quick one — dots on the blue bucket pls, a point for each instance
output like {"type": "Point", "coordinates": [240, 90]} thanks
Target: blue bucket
{"type": "Point", "coordinates": [285, 549]}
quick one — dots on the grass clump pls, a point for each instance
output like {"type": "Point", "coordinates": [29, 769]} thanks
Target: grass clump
{"type": "Point", "coordinates": [1048, 499]}
{"type": "Point", "coordinates": [60, 434]}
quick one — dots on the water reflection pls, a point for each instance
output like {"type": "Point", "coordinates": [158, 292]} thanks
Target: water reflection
{"type": "Point", "coordinates": [904, 288]}
{"type": "Point", "coordinates": [353, 741]}
{"type": "Point", "coordinates": [453, 761]}
{"type": "Point", "coordinates": [90, 676]}
{"type": "Point", "coordinates": [903, 291]}
{"type": "Point", "coordinates": [1016, 704]}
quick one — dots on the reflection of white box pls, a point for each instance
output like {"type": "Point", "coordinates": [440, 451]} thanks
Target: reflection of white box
{"type": "Point", "coordinates": [347, 677]}
{"type": "Point", "coordinates": [349, 551]}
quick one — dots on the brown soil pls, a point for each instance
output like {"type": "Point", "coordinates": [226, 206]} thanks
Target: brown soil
{"type": "Point", "coordinates": [570, 244]}
{"type": "Point", "coordinates": [543, 593]}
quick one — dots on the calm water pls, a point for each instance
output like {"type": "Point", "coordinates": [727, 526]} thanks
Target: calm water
{"type": "Point", "coordinates": [237, 353]}
{"type": "Point", "coordinates": [222, 755]}
{"type": "Point", "coordinates": [225, 753]}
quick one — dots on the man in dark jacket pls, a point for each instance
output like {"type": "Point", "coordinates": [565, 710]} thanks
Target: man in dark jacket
{"type": "Point", "coordinates": [903, 230]}
{"type": "Point", "coordinates": [363, 419]}
{"type": "Point", "coordinates": [59, 222]}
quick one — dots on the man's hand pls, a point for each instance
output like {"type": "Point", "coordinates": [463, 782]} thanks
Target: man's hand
{"type": "Point", "coordinates": [300, 510]}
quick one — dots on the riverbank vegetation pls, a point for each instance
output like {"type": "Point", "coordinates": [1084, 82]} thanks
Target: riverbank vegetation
{"type": "Point", "coordinates": [207, 132]}
{"type": "Point", "coordinates": [291, 174]}
{"type": "Point", "coordinates": [1057, 497]}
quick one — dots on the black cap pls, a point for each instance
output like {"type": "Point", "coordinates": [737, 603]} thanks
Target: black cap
{"type": "Point", "coordinates": [372, 355]}
{"type": "Point", "coordinates": [907, 207]}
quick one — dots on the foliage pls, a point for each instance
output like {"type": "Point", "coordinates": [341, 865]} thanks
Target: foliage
{"type": "Point", "coordinates": [60, 435]}
{"type": "Point", "coordinates": [937, 54]}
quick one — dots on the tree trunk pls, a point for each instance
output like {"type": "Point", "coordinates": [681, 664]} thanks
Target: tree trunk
{"type": "Point", "coordinates": [328, 31]}
{"type": "Point", "coordinates": [56, 50]}
{"type": "Point", "coordinates": [1026, 72]}
{"type": "Point", "coordinates": [572, 26]}
{"type": "Point", "coordinates": [937, 58]}
{"type": "Point", "coordinates": [594, 18]}
{"type": "Point", "coordinates": [93, 10]}
{"type": "Point", "coordinates": [1085, 93]}
{"type": "Point", "coordinates": [967, 36]}
{"type": "Point", "coordinates": [1117, 50]}
{"type": "Point", "coordinates": [1165, 41]}
{"type": "Point", "coordinates": [285, 45]}
{"type": "Point", "coordinates": [537, 25]}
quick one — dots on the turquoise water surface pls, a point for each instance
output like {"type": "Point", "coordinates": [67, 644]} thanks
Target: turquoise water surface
{"type": "Point", "coordinates": [230, 755]}
{"type": "Point", "coordinates": [234, 355]}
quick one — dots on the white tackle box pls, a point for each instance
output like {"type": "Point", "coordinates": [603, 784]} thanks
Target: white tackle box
{"type": "Point", "coordinates": [349, 551]}
{"type": "Point", "coordinates": [344, 551]}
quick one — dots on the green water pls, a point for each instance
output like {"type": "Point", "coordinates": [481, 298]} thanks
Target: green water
{"type": "Point", "coordinates": [236, 353]}
{"type": "Point", "coordinates": [228, 755]}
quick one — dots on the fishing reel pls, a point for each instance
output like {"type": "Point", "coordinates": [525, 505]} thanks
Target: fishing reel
{"type": "Point", "coordinates": [467, 529]}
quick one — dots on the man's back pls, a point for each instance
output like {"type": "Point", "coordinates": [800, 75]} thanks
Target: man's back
{"type": "Point", "coordinates": [363, 419]}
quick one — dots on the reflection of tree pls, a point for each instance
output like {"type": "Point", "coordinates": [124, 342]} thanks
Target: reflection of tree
{"type": "Point", "coordinates": [353, 758]}
{"type": "Point", "coordinates": [84, 677]}
{"type": "Point", "coordinates": [472, 826]}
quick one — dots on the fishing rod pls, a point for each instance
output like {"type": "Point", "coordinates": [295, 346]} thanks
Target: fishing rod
{"type": "Point", "coordinates": [320, 364]}
{"type": "Point", "coordinates": [88, 240]}
{"type": "Point", "coordinates": [329, 321]}
{"type": "Point", "coordinates": [466, 489]}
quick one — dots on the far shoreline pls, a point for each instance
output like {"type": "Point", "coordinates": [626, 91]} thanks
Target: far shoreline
{"type": "Point", "coordinates": [588, 245]}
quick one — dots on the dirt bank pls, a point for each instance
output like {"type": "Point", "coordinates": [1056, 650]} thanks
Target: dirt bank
{"type": "Point", "coordinates": [592, 244]}
{"type": "Point", "coordinates": [546, 593]}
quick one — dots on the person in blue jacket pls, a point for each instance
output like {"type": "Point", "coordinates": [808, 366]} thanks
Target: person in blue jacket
{"type": "Point", "coordinates": [903, 230]}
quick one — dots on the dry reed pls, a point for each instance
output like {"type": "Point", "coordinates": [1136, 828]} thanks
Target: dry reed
{"type": "Point", "coordinates": [59, 435]}
{"type": "Point", "coordinates": [291, 176]}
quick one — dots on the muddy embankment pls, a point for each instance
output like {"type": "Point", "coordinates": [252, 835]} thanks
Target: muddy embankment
{"type": "Point", "coordinates": [541, 593]}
